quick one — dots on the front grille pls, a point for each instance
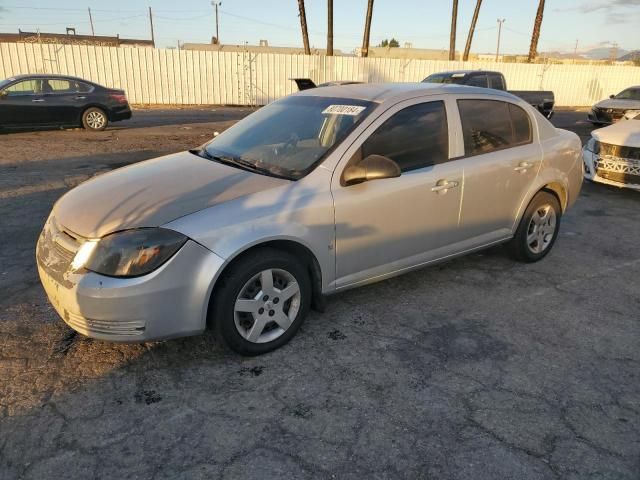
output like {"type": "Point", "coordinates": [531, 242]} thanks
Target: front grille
{"type": "Point", "coordinates": [629, 153]}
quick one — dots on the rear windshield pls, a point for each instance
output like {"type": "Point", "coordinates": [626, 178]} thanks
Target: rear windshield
{"type": "Point", "coordinates": [458, 79]}
{"type": "Point", "coordinates": [291, 136]}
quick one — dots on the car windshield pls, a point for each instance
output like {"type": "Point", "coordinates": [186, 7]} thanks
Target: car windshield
{"type": "Point", "coordinates": [445, 78]}
{"type": "Point", "coordinates": [4, 83]}
{"type": "Point", "coordinates": [288, 138]}
{"type": "Point", "coordinates": [629, 94]}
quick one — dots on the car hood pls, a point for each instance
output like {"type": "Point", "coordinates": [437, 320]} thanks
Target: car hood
{"type": "Point", "coordinates": [614, 103]}
{"type": "Point", "coordinates": [154, 192]}
{"type": "Point", "coordinates": [626, 134]}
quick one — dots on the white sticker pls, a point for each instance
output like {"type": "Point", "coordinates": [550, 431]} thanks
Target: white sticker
{"type": "Point", "coordinates": [352, 110]}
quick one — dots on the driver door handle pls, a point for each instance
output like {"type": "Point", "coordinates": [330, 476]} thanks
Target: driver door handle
{"type": "Point", "coordinates": [523, 166]}
{"type": "Point", "coordinates": [444, 185]}
{"type": "Point", "coordinates": [38, 100]}
{"type": "Point", "coordinates": [80, 97]}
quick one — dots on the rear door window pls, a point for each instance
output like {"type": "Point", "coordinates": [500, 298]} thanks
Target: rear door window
{"type": "Point", "coordinates": [57, 85]}
{"type": "Point", "coordinates": [415, 137]}
{"type": "Point", "coordinates": [489, 125]}
{"type": "Point", "coordinates": [478, 81]}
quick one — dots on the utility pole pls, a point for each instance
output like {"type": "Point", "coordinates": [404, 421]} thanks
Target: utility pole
{"type": "Point", "coordinates": [153, 37]}
{"type": "Point", "coordinates": [329, 28]}
{"type": "Point", "coordinates": [452, 38]}
{"type": "Point", "coordinates": [500, 22]}
{"type": "Point", "coordinates": [533, 50]}
{"type": "Point", "coordinates": [303, 26]}
{"type": "Point", "coordinates": [216, 5]}
{"type": "Point", "coordinates": [367, 29]}
{"type": "Point", "coordinates": [93, 33]}
{"type": "Point", "coordinates": [467, 47]}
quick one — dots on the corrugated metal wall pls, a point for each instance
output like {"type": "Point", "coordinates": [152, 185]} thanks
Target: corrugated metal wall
{"type": "Point", "coordinates": [163, 76]}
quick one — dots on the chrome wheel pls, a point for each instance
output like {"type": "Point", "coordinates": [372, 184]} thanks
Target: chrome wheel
{"type": "Point", "coordinates": [542, 228]}
{"type": "Point", "coordinates": [267, 305]}
{"type": "Point", "coordinates": [96, 120]}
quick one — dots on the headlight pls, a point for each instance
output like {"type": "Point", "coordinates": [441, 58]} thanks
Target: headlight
{"type": "Point", "coordinates": [632, 114]}
{"type": "Point", "coordinates": [130, 253]}
{"type": "Point", "coordinates": [593, 145]}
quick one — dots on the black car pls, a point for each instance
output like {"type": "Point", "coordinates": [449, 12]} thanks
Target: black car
{"type": "Point", "coordinates": [57, 100]}
{"type": "Point", "coordinates": [543, 100]}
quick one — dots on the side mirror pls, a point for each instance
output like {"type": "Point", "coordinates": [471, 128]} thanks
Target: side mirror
{"type": "Point", "coordinates": [373, 167]}
{"type": "Point", "coordinates": [612, 96]}
{"type": "Point", "coordinates": [4, 94]}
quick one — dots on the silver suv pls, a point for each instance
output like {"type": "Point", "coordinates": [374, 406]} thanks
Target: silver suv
{"type": "Point", "coordinates": [324, 190]}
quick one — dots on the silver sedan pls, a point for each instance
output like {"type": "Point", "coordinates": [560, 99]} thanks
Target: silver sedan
{"type": "Point", "coordinates": [322, 191]}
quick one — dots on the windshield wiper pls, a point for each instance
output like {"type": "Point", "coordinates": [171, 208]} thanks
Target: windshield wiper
{"type": "Point", "coordinates": [237, 162]}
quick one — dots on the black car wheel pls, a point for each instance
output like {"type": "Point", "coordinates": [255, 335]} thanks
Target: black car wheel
{"type": "Point", "coordinates": [94, 119]}
{"type": "Point", "coordinates": [261, 301]}
{"type": "Point", "coordinates": [538, 228]}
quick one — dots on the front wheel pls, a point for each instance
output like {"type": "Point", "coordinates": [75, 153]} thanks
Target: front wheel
{"type": "Point", "coordinates": [94, 119]}
{"type": "Point", "coordinates": [261, 302]}
{"type": "Point", "coordinates": [538, 228]}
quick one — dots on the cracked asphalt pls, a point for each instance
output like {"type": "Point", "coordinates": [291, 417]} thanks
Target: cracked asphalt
{"type": "Point", "coordinates": [479, 368]}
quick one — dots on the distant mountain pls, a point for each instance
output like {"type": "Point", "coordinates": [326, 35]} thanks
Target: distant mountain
{"type": "Point", "coordinates": [602, 53]}
{"type": "Point", "coordinates": [633, 55]}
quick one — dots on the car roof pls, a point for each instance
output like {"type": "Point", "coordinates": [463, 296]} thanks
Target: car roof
{"type": "Point", "coordinates": [463, 72]}
{"type": "Point", "coordinates": [383, 92]}
{"type": "Point", "coordinates": [48, 75]}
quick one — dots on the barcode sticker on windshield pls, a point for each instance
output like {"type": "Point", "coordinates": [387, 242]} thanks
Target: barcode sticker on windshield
{"type": "Point", "coordinates": [343, 110]}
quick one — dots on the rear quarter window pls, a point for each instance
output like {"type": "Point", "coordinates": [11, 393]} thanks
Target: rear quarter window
{"type": "Point", "coordinates": [490, 125]}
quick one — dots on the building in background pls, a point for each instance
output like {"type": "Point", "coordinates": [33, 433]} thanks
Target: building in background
{"type": "Point", "coordinates": [264, 47]}
{"type": "Point", "coordinates": [71, 38]}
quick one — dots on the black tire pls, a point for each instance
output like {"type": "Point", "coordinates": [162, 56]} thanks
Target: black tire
{"type": "Point", "coordinates": [518, 246]}
{"type": "Point", "coordinates": [222, 315]}
{"type": "Point", "coordinates": [95, 119]}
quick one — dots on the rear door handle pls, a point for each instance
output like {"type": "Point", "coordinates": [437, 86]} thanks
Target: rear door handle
{"type": "Point", "coordinates": [523, 167]}
{"type": "Point", "coordinates": [444, 185]}
{"type": "Point", "coordinates": [80, 97]}
{"type": "Point", "coordinates": [38, 100]}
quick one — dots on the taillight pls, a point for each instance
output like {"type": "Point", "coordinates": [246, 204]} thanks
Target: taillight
{"type": "Point", "coordinates": [118, 97]}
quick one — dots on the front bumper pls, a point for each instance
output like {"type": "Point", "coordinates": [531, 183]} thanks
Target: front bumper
{"type": "Point", "coordinates": [609, 170]}
{"type": "Point", "coordinates": [169, 302]}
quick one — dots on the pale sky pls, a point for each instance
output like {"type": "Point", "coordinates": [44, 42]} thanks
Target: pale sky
{"type": "Point", "coordinates": [593, 23]}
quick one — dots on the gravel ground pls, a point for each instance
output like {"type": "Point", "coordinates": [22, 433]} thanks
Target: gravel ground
{"type": "Point", "coordinates": [478, 368]}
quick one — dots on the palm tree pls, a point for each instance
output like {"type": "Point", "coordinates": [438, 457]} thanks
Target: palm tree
{"type": "Point", "coordinates": [303, 25]}
{"type": "Point", "coordinates": [472, 28]}
{"type": "Point", "coordinates": [533, 50]}
{"type": "Point", "coordinates": [452, 39]}
{"type": "Point", "coordinates": [329, 28]}
{"type": "Point", "coordinates": [367, 29]}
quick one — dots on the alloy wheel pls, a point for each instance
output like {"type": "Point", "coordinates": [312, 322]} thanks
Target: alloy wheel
{"type": "Point", "coordinates": [95, 120]}
{"type": "Point", "coordinates": [267, 305]}
{"type": "Point", "coordinates": [542, 228]}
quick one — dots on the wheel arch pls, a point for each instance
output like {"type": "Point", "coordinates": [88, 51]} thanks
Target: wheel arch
{"type": "Point", "coordinates": [559, 191]}
{"type": "Point", "coordinates": [290, 246]}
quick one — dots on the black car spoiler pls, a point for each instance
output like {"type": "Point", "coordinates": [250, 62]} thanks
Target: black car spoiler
{"type": "Point", "coordinates": [307, 83]}
{"type": "Point", "coordinates": [304, 83]}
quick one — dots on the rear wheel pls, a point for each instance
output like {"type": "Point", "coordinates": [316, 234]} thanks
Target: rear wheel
{"type": "Point", "coordinates": [261, 302]}
{"type": "Point", "coordinates": [538, 228]}
{"type": "Point", "coordinates": [95, 119]}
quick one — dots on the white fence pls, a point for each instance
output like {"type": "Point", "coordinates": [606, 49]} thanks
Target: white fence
{"type": "Point", "coordinates": [163, 76]}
